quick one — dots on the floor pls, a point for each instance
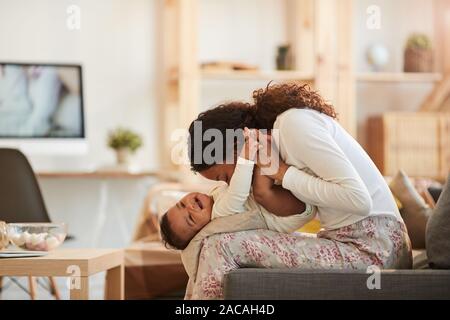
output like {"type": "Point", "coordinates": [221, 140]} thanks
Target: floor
{"type": "Point", "coordinates": [12, 291]}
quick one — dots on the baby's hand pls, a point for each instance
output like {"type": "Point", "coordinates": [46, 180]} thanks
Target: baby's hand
{"type": "Point", "coordinates": [251, 145]}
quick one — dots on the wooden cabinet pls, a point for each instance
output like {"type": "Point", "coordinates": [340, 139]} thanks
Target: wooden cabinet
{"type": "Point", "coordinates": [418, 143]}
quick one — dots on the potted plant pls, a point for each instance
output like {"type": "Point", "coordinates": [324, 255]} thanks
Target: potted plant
{"type": "Point", "coordinates": [125, 142]}
{"type": "Point", "coordinates": [418, 54]}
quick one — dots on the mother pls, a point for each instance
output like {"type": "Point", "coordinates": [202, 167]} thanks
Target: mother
{"type": "Point", "coordinates": [322, 165]}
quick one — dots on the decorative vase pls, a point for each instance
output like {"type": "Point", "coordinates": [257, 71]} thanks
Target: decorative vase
{"type": "Point", "coordinates": [284, 58]}
{"type": "Point", "coordinates": [377, 57]}
{"type": "Point", "coordinates": [418, 60]}
{"type": "Point", "coordinates": [123, 156]}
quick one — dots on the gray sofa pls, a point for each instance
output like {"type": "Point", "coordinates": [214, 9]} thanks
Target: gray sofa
{"type": "Point", "coordinates": [277, 284]}
{"type": "Point", "coordinates": [421, 282]}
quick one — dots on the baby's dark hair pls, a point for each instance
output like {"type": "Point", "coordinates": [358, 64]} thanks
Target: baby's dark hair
{"type": "Point", "coordinates": [169, 237]}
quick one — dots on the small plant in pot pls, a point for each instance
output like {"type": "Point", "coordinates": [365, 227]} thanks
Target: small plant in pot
{"type": "Point", "coordinates": [418, 54]}
{"type": "Point", "coordinates": [125, 142]}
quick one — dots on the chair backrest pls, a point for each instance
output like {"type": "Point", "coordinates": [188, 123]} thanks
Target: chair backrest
{"type": "Point", "coordinates": [20, 196]}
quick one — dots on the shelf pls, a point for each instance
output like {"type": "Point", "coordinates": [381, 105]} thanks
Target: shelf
{"type": "Point", "coordinates": [100, 174]}
{"type": "Point", "coordinates": [398, 77]}
{"type": "Point", "coordinates": [256, 75]}
{"type": "Point", "coordinates": [299, 75]}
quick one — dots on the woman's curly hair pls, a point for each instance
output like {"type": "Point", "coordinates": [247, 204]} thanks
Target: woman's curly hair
{"type": "Point", "coordinates": [275, 99]}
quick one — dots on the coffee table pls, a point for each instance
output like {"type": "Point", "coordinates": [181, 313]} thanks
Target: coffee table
{"type": "Point", "coordinates": [77, 265]}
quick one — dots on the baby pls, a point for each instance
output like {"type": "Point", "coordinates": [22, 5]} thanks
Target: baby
{"type": "Point", "coordinates": [194, 211]}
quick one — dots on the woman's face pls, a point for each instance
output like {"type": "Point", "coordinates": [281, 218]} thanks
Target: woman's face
{"type": "Point", "coordinates": [219, 172]}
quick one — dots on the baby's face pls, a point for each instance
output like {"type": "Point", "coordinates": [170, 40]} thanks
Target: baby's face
{"type": "Point", "coordinates": [190, 214]}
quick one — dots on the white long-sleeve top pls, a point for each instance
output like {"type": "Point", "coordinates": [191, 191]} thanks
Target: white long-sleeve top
{"type": "Point", "coordinates": [330, 170]}
{"type": "Point", "coordinates": [237, 198]}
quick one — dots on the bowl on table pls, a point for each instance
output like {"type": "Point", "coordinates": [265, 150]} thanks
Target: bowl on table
{"type": "Point", "coordinates": [37, 236]}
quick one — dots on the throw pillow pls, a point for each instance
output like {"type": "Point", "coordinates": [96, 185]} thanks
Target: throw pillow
{"type": "Point", "coordinates": [438, 232]}
{"type": "Point", "coordinates": [415, 212]}
{"type": "Point", "coordinates": [313, 226]}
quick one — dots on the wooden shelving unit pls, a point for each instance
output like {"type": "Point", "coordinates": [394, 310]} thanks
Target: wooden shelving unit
{"type": "Point", "coordinates": [257, 75]}
{"type": "Point", "coordinates": [319, 33]}
{"type": "Point", "coordinates": [321, 36]}
{"type": "Point", "coordinates": [107, 174]}
{"type": "Point", "coordinates": [400, 77]}
{"type": "Point", "coordinates": [411, 139]}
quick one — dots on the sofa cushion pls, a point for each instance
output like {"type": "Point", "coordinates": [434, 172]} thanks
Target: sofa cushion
{"type": "Point", "coordinates": [438, 232]}
{"type": "Point", "coordinates": [420, 259]}
{"type": "Point", "coordinates": [415, 212]}
{"type": "Point", "coordinates": [435, 192]}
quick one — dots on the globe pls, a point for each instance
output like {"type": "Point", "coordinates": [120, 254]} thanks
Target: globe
{"type": "Point", "coordinates": [377, 56]}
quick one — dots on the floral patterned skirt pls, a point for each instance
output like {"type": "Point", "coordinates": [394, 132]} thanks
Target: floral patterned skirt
{"type": "Point", "coordinates": [379, 241]}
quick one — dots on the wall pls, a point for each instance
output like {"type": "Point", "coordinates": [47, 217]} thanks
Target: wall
{"type": "Point", "coordinates": [399, 19]}
{"type": "Point", "coordinates": [118, 50]}
{"type": "Point", "coordinates": [249, 31]}
{"type": "Point", "coordinates": [244, 31]}
{"type": "Point", "coordinates": [116, 46]}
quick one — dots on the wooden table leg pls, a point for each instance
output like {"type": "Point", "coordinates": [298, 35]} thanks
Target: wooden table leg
{"type": "Point", "coordinates": [114, 284]}
{"type": "Point", "coordinates": [32, 287]}
{"type": "Point", "coordinates": [54, 288]}
{"type": "Point", "coordinates": [81, 293]}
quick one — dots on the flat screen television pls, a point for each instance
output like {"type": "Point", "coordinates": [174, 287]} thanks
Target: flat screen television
{"type": "Point", "coordinates": [40, 103]}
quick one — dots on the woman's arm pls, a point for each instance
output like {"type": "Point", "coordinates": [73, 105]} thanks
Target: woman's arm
{"type": "Point", "coordinates": [338, 185]}
{"type": "Point", "coordinates": [274, 198]}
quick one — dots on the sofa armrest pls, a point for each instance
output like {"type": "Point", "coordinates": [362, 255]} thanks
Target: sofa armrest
{"type": "Point", "coordinates": [298, 284]}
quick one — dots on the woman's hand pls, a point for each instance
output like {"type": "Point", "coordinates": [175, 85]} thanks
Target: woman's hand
{"type": "Point", "coordinates": [268, 158]}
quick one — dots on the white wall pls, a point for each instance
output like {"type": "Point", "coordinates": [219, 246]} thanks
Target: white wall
{"type": "Point", "coordinates": [399, 19]}
{"type": "Point", "coordinates": [116, 46]}
{"type": "Point", "coordinates": [118, 50]}
{"type": "Point", "coordinates": [250, 30]}
{"type": "Point", "coordinates": [246, 31]}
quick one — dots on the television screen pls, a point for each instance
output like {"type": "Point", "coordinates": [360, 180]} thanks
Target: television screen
{"type": "Point", "coordinates": [41, 101]}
